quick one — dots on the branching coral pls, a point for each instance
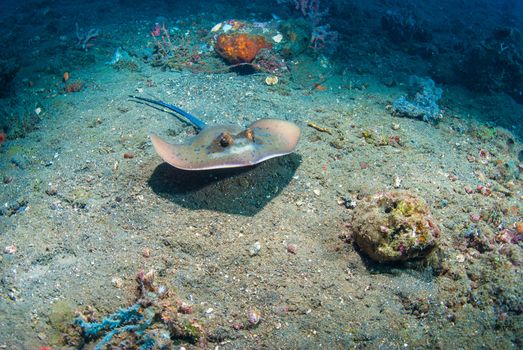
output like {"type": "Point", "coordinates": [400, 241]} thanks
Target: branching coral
{"type": "Point", "coordinates": [85, 38]}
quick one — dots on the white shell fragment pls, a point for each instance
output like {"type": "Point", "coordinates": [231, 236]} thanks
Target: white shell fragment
{"type": "Point", "coordinates": [216, 27]}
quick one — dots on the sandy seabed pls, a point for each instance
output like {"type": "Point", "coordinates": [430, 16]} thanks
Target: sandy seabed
{"type": "Point", "coordinates": [88, 204]}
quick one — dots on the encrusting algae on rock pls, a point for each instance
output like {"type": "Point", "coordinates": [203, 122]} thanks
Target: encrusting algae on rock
{"type": "Point", "coordinates": [394, 226]}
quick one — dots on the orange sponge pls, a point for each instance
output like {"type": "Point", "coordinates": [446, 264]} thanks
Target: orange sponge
{"type": "Point", "coordinates": [240, 47]}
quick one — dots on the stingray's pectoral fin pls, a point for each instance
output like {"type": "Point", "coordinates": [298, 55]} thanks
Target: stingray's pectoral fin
{"type": "Point", "coordinates": [169, 153]}
{"type": "Point", "coordinates": [193, 157]}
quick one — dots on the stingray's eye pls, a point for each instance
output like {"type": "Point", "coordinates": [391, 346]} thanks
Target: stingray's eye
{"type": "Point", "coordinates": [226, 139]}
{"type": "Point", "coordinates": [249, 134]}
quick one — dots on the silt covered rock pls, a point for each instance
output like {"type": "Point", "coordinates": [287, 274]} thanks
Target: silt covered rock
{"type": "Point", "coordinates": [394, 226]}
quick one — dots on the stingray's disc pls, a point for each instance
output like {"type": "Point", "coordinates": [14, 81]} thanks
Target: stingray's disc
{"type": "Point", "coordinates": [272, 138]}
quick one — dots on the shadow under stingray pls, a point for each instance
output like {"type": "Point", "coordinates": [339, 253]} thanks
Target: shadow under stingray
{"type": "Point", "coordinates": [243, 191]}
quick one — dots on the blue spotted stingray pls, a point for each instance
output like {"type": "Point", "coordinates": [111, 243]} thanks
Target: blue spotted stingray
{"type": "Point", "coordinates": [225, 145]}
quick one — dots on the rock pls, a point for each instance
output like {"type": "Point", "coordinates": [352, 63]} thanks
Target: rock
{"type": "Point", "coordinates": [423, 104]}
{"type": "Point", "coordinates": [394, 226]}
{"type": "Point", "coordinates": [297, 35]}
{"type": "Point", "coordinates": [255, 249]}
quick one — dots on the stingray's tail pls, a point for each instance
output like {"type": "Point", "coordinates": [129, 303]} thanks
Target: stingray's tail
{"type": "Point", "coordinates": [200, 124]}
